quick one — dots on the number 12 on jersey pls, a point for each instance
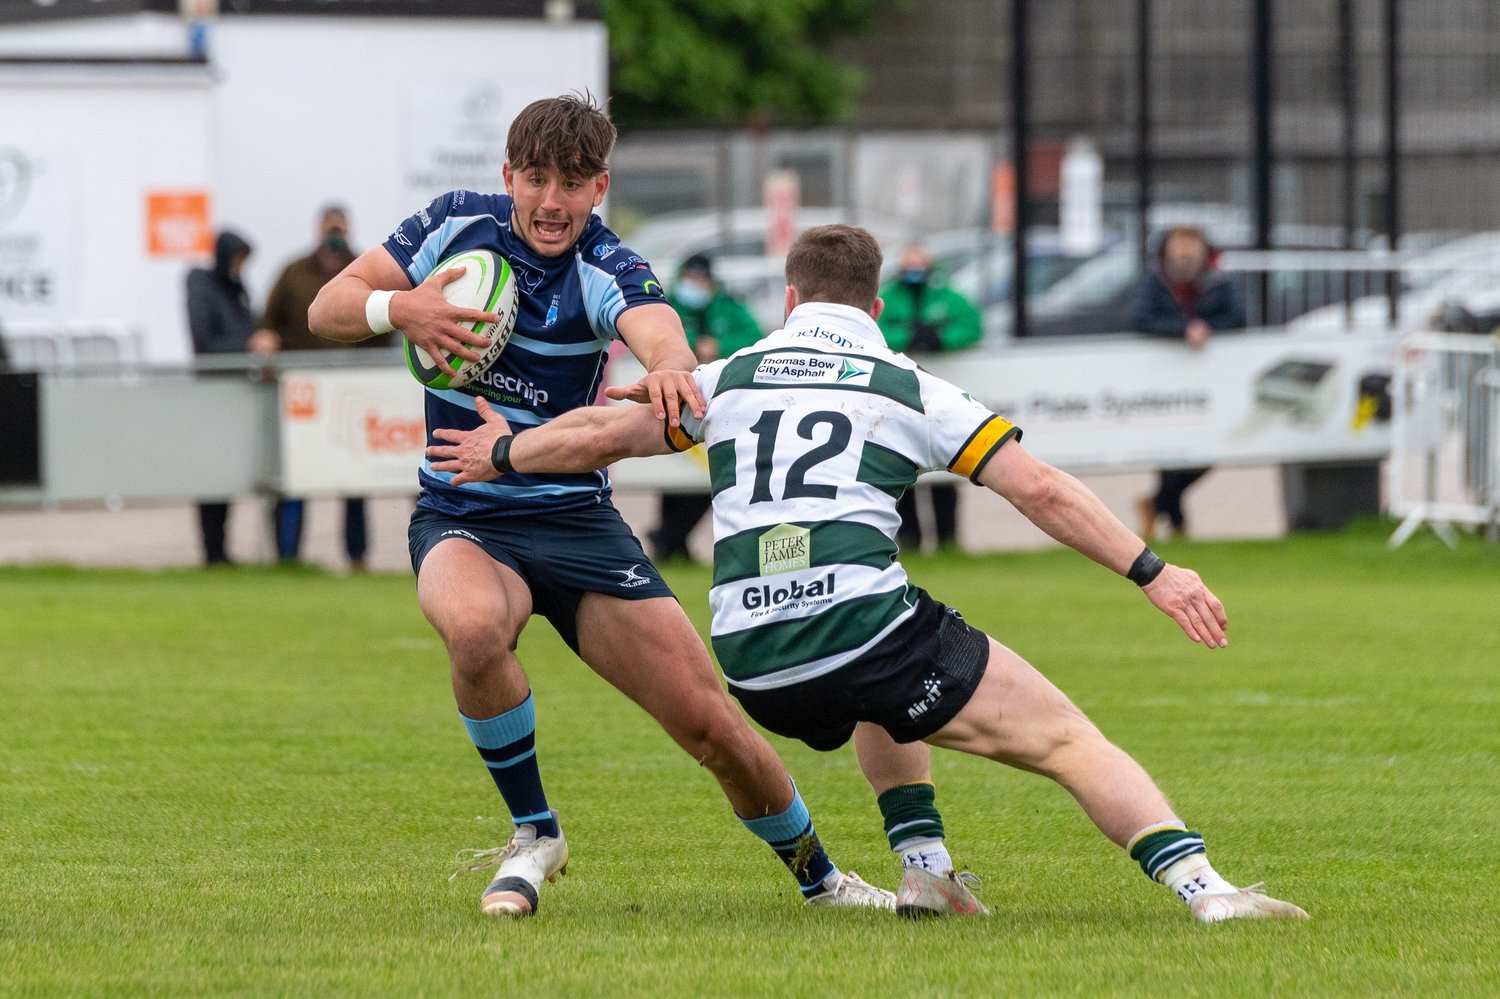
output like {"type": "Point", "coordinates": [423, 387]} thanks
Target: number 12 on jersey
{"type": "Point", "coordinates": [797, 487]}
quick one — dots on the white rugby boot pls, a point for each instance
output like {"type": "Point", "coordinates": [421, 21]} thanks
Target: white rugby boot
{"type": "Point", "coordinates": [1247, 903]}
{"type": "Point", "coordinates": [525, 862]}
{"type": "Point", "coordinates": [853, 890]}
{"type": "Point", "coordinates": [923, 893]}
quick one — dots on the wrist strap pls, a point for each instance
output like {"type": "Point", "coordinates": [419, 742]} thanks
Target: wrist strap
{"type": "Point", "coordinates": [378, 311]}
{"type": "Point", "coordinates": [1146, 567]}
{"type": "Point", "coordinates": [500, 454]}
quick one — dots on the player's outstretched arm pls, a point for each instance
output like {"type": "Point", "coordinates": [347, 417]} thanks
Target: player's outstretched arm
{"type": "Point", "coordinates": [1068, 512]}
{"type": "Point", "coordinates": [340, 310]}
{"type": "Point", "coordinates": [581, 440]}
{"type": "Point", "coordinates": [653, 332]}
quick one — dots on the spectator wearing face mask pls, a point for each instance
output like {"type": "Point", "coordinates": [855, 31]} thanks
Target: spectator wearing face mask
{"type": "Point", "coordinates": [923, 315]}
{"type": "Point", "coordinates": [286, 314]}
{"type": "Point", "coordinates": [717, 325]}
{"type": "Point", "coordinates": [221, 322]}
{"type": "Point", "coordinates": [1183, 297]}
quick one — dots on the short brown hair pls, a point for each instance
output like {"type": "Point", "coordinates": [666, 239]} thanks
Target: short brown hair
{"type": "Point", "coordinates": [570, 134]}
{"type": "Point", "coordinates": [835, 263]}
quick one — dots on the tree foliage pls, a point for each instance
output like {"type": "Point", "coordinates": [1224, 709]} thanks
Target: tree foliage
{"type": "Point", "coordinates": [726, 62]}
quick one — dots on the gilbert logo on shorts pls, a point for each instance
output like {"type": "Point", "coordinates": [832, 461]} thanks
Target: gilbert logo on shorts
{"type": "Point", "coordinates": [785, 548]}
{"type": "Point", "coordinates": [803, 369]}
{"type": "Point", "coordinates": [632, 578]}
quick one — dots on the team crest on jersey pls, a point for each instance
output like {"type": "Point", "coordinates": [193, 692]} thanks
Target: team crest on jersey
{"type": "Point", "coordinates": [805, 369]}
{"type": "Point", "coordinates": [784, 548]}
{"type": "Point", "coordinates": [529, 277]}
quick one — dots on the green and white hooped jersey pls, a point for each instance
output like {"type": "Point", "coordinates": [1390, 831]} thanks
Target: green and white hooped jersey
{"type": "Point", "coordinates": [813, 434]}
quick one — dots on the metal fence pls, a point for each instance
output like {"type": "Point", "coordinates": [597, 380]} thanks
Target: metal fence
{"type": "Point", "coordinates": [1327, 124]}
{"type": "Point", "coordinates": [1445, 456]}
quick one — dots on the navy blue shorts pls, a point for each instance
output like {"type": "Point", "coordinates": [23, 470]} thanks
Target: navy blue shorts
{"type": "Point", "coordinates": [560, 556]}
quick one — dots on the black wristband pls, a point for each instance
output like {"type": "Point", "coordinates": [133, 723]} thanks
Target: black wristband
{"type": "Point", "coordinates": [500, 454]}
{"type": "Point", "coordinates": [1146, 567]}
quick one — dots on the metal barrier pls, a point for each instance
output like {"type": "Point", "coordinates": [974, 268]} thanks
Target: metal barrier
{"type": "Point", "coordinates": [1352, 288]}
{"type": "Point", "coordinates": [1445, 455]}
{"type": "Point", "coordinates": [69, 344]}
{"type": "Point", "coordinates": [112, 432]}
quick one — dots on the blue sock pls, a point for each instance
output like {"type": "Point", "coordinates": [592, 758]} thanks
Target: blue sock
{"type": "Point", "coordinates": [507, 744]}
{"type": "Point", "coordinates": [792, 836]}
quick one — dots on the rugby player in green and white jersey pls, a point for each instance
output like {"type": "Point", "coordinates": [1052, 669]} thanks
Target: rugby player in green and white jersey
{"type": "Point", "coordinates": [812, 435]}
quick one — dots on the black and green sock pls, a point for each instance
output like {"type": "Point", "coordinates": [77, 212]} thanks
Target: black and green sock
{"type": "Point", "coordinates": [914, 826]}
{"type": "Point", "coordinates": [1160, 846]}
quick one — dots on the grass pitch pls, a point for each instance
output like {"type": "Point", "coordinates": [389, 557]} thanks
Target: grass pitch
{"type": "Point", "coordinates": [252, 782]}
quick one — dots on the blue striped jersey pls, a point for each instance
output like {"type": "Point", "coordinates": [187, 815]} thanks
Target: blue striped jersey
{"type": "Point", "coordinates": [567, 307]}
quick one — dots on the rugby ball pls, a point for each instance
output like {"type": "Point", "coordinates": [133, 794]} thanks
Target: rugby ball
{"type": "Point", "coordinates": [487, 285]}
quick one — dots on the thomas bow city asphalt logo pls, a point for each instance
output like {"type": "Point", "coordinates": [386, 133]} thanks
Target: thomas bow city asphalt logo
{"type": "Point", "coordinates": [785, 369]}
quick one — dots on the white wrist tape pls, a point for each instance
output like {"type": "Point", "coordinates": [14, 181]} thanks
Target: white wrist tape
{"type": "Point", "coordinates": [378, 311]}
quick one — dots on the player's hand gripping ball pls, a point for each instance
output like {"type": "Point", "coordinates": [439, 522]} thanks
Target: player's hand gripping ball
{"type": "Point", "coordinates": [487, 285]}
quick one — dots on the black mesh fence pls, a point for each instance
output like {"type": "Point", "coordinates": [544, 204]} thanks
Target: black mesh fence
{"type": "Point", "coordinates": [1273, 124]}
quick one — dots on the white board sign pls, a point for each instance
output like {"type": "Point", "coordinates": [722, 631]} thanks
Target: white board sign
{"type": "Point", "coordinates": [1102, 403]}
{"type": "Point", "coordinates": [350, 433]}
{"type": "Point", "coordinates": [456, 137]}
{"type": "Point", "coordinates": [1085, 405]}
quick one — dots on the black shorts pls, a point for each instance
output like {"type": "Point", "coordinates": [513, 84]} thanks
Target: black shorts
{"type": "Point", "coordinates": [911, 684]}
{"type": "Point", "coordinates": [560, 556]}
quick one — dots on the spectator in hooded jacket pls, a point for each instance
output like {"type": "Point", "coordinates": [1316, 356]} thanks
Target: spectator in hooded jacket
{"type": "Point", "coordinates": [1184, 297]}
{"type": "Point", "coordinates": [221, 322]}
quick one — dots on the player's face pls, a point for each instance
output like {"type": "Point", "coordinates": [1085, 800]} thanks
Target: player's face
{"type": "Point", "coordinates": [550, 209]}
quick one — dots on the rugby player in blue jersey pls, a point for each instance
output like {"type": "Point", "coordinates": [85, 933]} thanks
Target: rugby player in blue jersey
{"type": "Point", "coordinates": [490, 555]}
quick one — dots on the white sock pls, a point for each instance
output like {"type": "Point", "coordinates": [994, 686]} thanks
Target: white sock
{"type": "Point", "coordinates": [1193, 876]}
{"type": "Point", "coordinates": [928, 854]}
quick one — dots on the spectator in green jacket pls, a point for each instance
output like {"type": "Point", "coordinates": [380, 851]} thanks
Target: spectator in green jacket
{"type": "Point", "coordinates": [923, 315]}
{"type": "Point", "coordinates": [921, 312]}
{"type": "Point", "coordinates": [717, 325]}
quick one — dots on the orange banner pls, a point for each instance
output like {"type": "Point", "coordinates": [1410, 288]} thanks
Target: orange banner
{"type": "Point", "coordinates": [178, 225]}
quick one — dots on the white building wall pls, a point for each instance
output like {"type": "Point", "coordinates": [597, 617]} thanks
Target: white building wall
{"type": "Point", "coordinates": [79, 152]}
{"type": "Point", "coordinates": [379, 115]}
{"type": "Point", "coordinates": [355, 110]}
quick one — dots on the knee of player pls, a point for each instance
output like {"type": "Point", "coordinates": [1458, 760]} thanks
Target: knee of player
{"type": "Point", "coordinates": [715, 737]}
{"type": "Point", "coordinates": [476, 642]}
{"type": "Point", "coordinates": [1074, 737]}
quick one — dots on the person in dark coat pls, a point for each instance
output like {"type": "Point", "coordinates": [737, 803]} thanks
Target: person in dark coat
{"type": "Point", "coordinates": [221, 322]}
{"type": "Point", "coordinates": [1183, 297]}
